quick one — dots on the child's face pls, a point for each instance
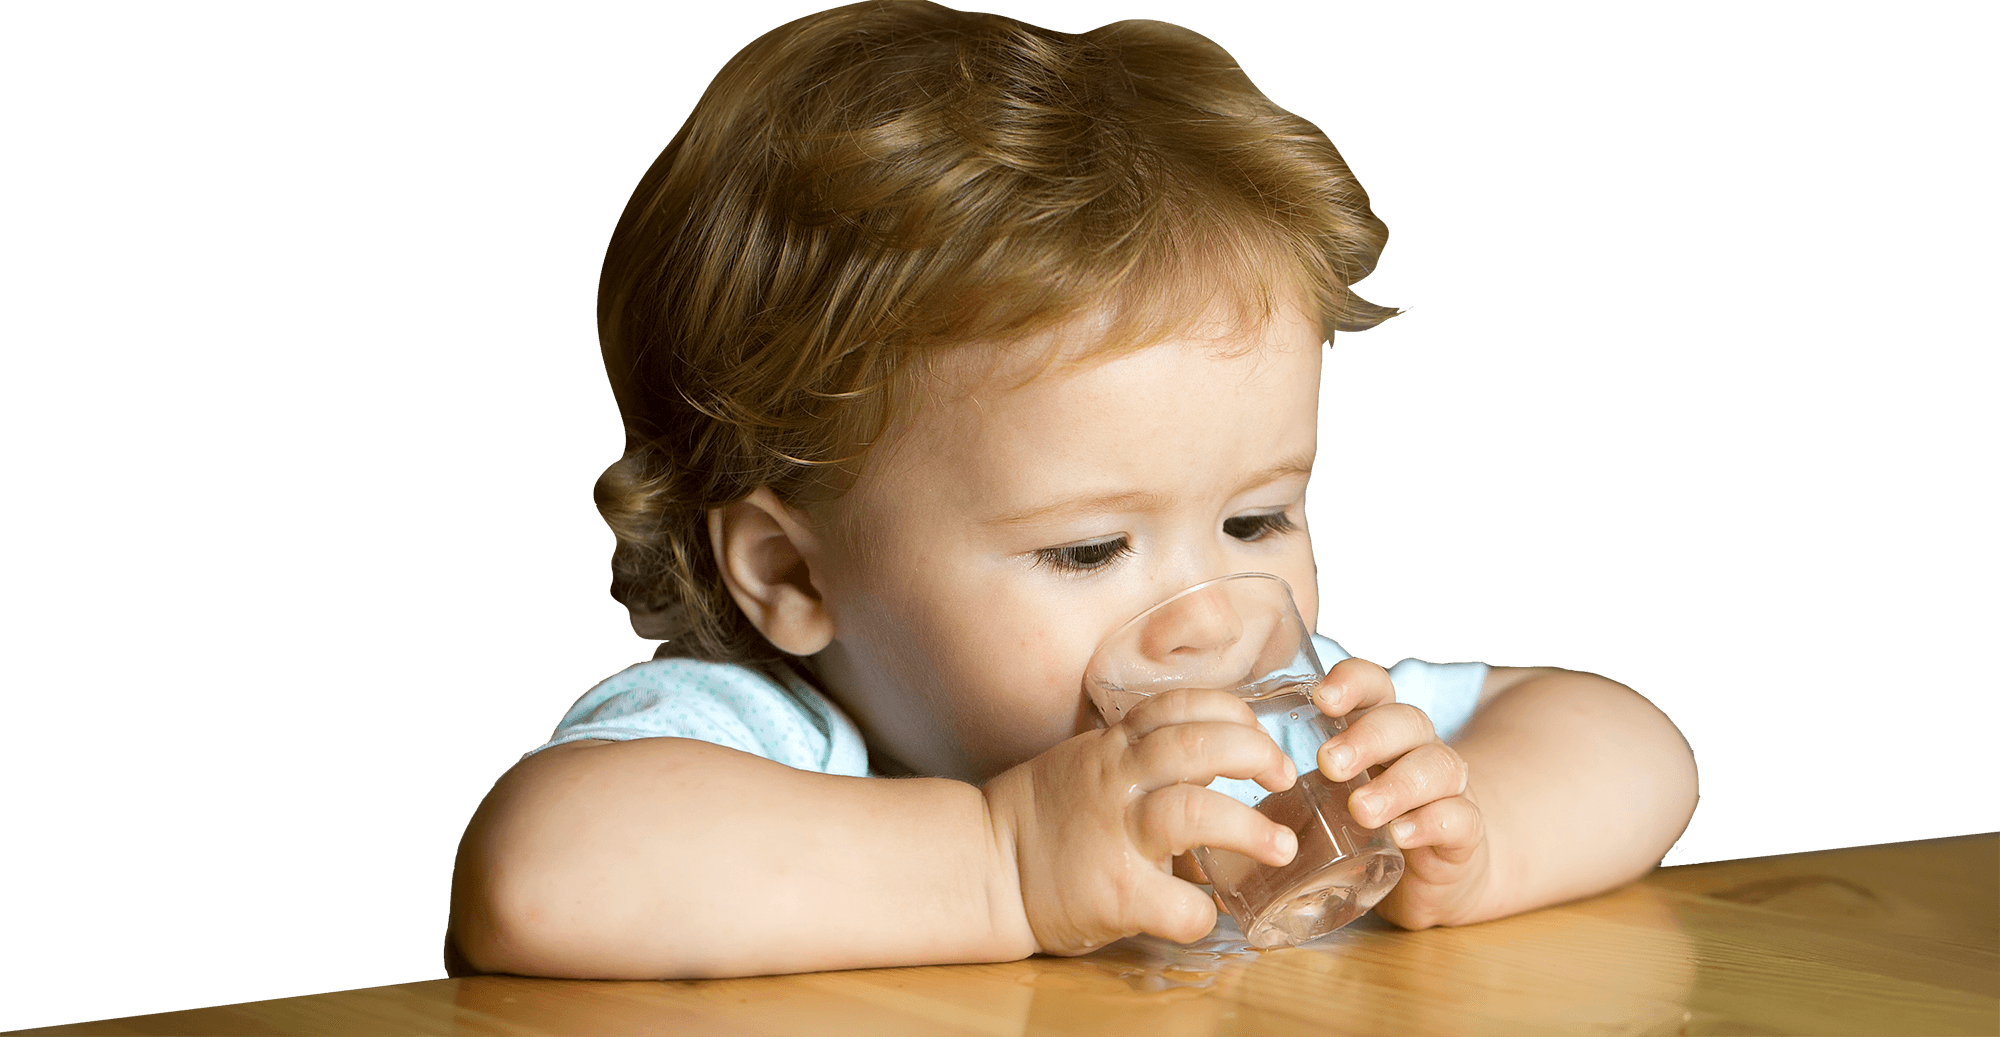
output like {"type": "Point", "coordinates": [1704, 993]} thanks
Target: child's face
{"type": "Point", "coordinates": [977, 563]}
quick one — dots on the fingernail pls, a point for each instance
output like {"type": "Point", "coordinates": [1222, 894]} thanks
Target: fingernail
{"type": "Point", "coordinates": [1288, 845]}
{"type": "Point", "coordinates": [1402, 831]}
{"type": "Point", "coordinates": [1363, 806]}
{"type": "Point", "coordinates": [1341, 758]}
{"type": "Point", "coordinates": [1291, 771]}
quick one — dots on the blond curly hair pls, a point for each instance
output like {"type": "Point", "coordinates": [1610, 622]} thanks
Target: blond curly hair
{"type": "Point", "coordinates": [866, 185]}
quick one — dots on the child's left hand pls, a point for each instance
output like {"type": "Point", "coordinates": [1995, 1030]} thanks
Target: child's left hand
{"type": "Point", "coordinates": [1424, 795]}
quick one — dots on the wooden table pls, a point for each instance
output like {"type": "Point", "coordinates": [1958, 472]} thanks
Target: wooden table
{"type": "Point", "coordinates": [1901, 938]}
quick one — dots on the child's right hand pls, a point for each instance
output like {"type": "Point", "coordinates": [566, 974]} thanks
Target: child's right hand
{"type": "Point", "coordinates": [1093, 824]}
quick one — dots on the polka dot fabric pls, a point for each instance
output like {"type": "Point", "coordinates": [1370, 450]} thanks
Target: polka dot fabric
{"type": "Point", "coordinates": [765, 713]}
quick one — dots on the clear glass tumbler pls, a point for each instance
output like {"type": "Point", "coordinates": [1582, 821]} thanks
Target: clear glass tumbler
{"type": "Point", "coordinates": [1243, 634]}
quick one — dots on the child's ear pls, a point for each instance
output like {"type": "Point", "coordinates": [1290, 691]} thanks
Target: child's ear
{"type": "Point", "coordinates": [763, 547]}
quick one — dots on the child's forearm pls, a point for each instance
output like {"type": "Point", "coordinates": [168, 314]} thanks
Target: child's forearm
{"type": "Point", "coordinates": [665, 857]}
{"type": "Point", "coordinates": [1583, 783]}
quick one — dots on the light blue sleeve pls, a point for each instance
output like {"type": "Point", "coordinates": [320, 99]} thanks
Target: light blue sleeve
{"type": "Point", "coordinates": [771, 714]}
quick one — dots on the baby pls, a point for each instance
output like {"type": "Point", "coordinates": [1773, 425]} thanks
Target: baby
{"type": "Point", "coordinates": [945, 344]}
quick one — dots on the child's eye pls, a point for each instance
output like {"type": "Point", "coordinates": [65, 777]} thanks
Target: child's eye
{"type": "Point", "coordinates": [1257, 527]}
{"type": "Point", "coordinates": [1078, 558]}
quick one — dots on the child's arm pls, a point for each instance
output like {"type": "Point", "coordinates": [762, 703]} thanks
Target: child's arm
{"type": "Point", "coordinates": [1561, 785]}
{"type": "Point", "coordinates": [666, 857]}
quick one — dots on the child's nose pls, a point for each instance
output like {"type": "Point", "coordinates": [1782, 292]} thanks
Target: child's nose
{"type": "Point", "coordinates": [1202, 623]}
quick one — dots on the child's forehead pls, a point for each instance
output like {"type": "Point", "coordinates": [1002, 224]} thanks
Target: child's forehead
{"type": "Point", "coordinates": [988, 403]}
{"type": "Point", "coordinates": [1228, 327]}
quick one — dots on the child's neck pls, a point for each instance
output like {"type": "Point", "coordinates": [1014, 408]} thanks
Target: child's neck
{"type": "Point", "coordinates": [879, 761]}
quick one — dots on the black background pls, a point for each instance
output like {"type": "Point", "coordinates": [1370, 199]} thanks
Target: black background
{"type": "Point", "coordinates": [1665, 409]}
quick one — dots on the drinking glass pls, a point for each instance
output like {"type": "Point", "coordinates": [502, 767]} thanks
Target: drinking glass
{"type": "Point", "coordinates": [1243, 634]}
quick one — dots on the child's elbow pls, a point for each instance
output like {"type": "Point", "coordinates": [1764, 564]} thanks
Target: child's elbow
{"type": "Point", "coordinates": [526, 920]}
{"type": "Point", "coordinates": [1647, 766]}
{"type": "Point", "coordinates": [1687, 781]}
{"type": "Point", "coordinates": [1673, 787]}
{"type": "Point", "coordinates": [496, 926]}
{"type": "Point", "coordinates": [508, 910]}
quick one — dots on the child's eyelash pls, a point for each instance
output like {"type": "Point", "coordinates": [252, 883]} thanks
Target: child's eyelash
{"type": "Point", "coordinates": [1079, 558]}
{"type": "Point", "coordinates": [1257, 527]}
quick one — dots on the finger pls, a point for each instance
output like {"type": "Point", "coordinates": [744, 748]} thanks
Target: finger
{"type": "Point", "coordinates": [1186, 706]}
{"type": "Point", "coordinates": [1379, 736]}
{"type": "Point", "coordinates": [1178, 818]}
{"type": "Point", "coordinates": [1353, 684]}
{"type": "Point", "coordinates": [1198, 753]}
{"type": "Point", "coordinates": [1188, 869]}
{"type": "Point", "coordinates": [1169, 908]}
{"type": "Point", "coordinates": [1427, 773]}
{"type": "Point", "coordinates": [1453, 828]}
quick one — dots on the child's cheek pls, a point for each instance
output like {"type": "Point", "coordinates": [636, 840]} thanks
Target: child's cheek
{"type": "Point", "coordinates": [1044, 650]}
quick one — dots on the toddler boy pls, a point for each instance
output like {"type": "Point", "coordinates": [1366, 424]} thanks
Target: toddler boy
{"type": "Point", "coordinates": [945, 344]}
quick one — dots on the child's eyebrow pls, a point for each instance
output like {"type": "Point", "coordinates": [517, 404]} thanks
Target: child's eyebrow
{"type": "Point", "coordinates": [1140, 500]}
{"type": "Point", "coordinates": [1084, 504]}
